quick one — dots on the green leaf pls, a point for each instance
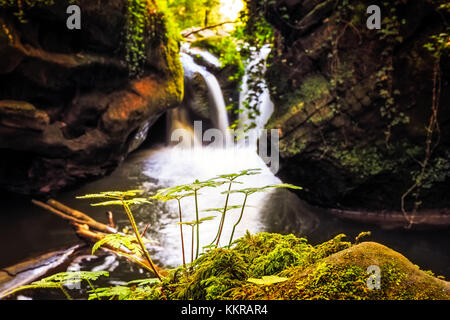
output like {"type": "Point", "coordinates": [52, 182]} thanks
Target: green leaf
{"type": "Point", "coordinates": [119, 291]}
{"type": "Point", "coordinates": [117, 240]}
{"type": "Point", "coordinates": [267, 280]}
{"type": "Point", "coordinates": [221, 209]}
{"type": "Point", "coordinates": [144, 282]}
{"type": "Point", "coordinates": [112, 194]}
{"type": "Point", "coordinates": [134, 201]}
{"type": "Point", "coordinates": [195, 222]}
{"type": "Point", "coordinates": [169, 197]}
{"type": "Point", "coordinates": [59, 279]}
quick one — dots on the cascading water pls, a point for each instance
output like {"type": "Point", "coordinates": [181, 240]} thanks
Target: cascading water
{"type": "Point", "coordinates": [181, 165]}
{"type": "Point", "coordinates": [220, 116]}
{"type": "Point", "coordinates": [262, 104]}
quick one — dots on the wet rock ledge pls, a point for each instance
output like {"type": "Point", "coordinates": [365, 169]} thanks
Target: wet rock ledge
{"type": "Point", "coordinates": [69, 109]}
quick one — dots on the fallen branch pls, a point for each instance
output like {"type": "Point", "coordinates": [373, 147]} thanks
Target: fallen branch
{"type": "Point", "coordinates": [91, 230]}
{"type": "Point", "coordinates": [94, 237]}
{"type": "Point", "coordinates": [74, 216]}
{"type": "Point", "coordinates": [186, 35]}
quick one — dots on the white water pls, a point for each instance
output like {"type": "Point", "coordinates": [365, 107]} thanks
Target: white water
{"type": "Point", "coordinates": [180, 165]}
{"type": "Point", "coordinates": [220, 116]}
{"type": "Point", "coordinates": [174, 166]}
{"type": "Point", "coordinates": [205, 55]}
{"type": "Point", "coordinates": [264, 104]}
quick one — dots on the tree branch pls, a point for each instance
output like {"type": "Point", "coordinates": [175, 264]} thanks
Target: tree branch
{"type": "Point", "coordinates": [206, 28]}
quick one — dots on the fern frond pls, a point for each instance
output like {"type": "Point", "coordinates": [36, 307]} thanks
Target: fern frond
{"type": "Point", "coordinates": [117, 240]}
{"type": "Point", "coordinates": [267, 280]}
{"type": "Point", "coordinates": [112, 194]}
{"type": "Point", "coordinates": [195, 222]}
{"type": "Point", "coordinates": [60, 279]}
{"type": "Point", "coordinates": [222, 209]}
{"type": "Point", "coordinates": [134, 201]}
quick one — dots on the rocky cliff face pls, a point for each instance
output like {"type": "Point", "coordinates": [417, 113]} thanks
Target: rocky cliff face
{"type": "Point", "coordinates": [68, 107]}
{"type": "Point", "coordinates": [355, 106]}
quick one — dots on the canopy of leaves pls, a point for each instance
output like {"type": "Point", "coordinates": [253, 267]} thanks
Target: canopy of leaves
{"type": "Point", "coordinates": [194, 13]}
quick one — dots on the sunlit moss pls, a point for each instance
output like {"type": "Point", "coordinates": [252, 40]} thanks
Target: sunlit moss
{"type": "Point", "coordinates": [335, 269]}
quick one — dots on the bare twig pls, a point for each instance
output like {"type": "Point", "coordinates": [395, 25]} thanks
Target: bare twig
{"type": "Point", "coordinates": [433, 126]}
{"type": "Point", "coordinates": [206, 28]}
{"type": "Point", "coordinates": [78, 219]}
{"type": "Point", "coordinates": [110, 217]}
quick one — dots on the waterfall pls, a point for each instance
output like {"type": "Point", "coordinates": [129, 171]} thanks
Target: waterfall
{"type": "Point", "coordinates": [264, 105]}
{"type": "Point", "coordinates": [219, 112]}
{"type": "Point", "coordinates": [182, 165]}
{"type": "Point", "coordinates": [220, 120]}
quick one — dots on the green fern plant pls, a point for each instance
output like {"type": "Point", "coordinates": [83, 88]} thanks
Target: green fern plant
{"type": "Point", "coordinates": [192, 224]}
{"type": "Point", "coordinates": [60, 279]}
{"type": "Point", "coordinates": [249, 191]}
{"type": "Point", "coordinates": [135, 244]}
{"type": "Point", "coordinates": [230, 179]}
{"type": "Point", "coordinates": [125, 199]}
{"type": "Point", "coordinates": [194, 188]}
{"type": "Point", "coordinates": [168, 197]}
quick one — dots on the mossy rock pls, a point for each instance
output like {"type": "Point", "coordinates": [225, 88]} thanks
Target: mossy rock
{"type": "Point", "coordinates": [343, 276]}
{"type": "Point", "coordinates": [293, 269]}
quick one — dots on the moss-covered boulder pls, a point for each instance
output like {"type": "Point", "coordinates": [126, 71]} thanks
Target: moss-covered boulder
{"type": "Point", "coordinates": [353, 105]}
{"type": "Point", "coordinates": [74, 103]}
{"type": "Point", "coordinates": [274, 266]}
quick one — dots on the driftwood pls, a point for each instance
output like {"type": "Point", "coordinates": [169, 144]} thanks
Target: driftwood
{"type": "Point", "coordinates": [33, 269]}
{"type": "Point", "coordinates": [431, 218]}
{"type": "Point", "coordinates": [86, 228]}
{"type": "Point", "coordinates": [91, 230]}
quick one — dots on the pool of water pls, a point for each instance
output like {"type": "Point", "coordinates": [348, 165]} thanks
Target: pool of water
{"type": "Point", "coordinates": [26, 230]}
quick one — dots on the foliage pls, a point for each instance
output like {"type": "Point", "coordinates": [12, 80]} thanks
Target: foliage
{"type": "Point", "coordinates": [116, 241]}
{"type": "Point", "coordinates": [267, 280]}
{"type": "Point", "coordinates": [138, 21]}
{"type": "Point", "coordinates": [122, 198]}
{"type": "Point", "coordinates": [440, 43]}
{"type": "Point", "coordinates": [63, 278]}
{"type": "Point", "coordinates": [324, 271]}
{"type": "Point", "coordinates": [335, 269]}
{"type": "Point", "coordinates": [237, 50]}
{"type": "Point", "coordinates": [194, 13]}
{"type": "Point", "coordinates": [22, 5]}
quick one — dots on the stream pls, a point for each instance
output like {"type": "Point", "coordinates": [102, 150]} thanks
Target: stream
{"type": "Point", "coordinates": [27, 230]}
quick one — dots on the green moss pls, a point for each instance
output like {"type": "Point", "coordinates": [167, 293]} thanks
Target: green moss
{"type": "Point", "coordinates": [366, 161]}
{"type": "Point", "coordinates": [292, 147]}
{"type": "Point", "coordinates": [175, 71]}
{"type": "Point", "coordinates": [226, 48]}
{"type": "Point", "coordinates": [375, 158]}
{"type": "Point", "coordinates": [335, 269]}
{"type": "Point", "coordinates": [213, 274]}
{"type": "Point", "coordinates": [309, 98]}
{"type": "Point", "coordinates": [314, 88]}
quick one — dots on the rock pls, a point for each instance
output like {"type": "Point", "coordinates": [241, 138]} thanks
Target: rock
{"type": "Point", "coordinates": [295, 270]}
{"type": "Point", "coordinates": [22, 115]}
{"type": "Point", "coordinates": [199, 102]}
{"type": "Point", "coordinates": [33, 269]}
{"type": "Point", "coordinates": [353, 104]}
{"type": "Point", "coordinates": [68, 109]}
